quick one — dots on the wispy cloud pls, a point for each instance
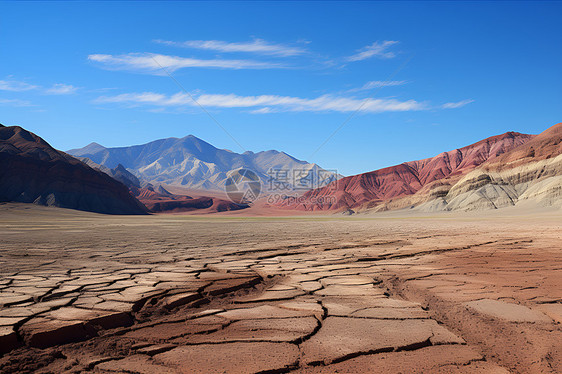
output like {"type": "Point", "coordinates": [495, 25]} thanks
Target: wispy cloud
{"type": "Point", "coordinates": [457, 104]}
{"type": "Point", "coordinates": [152, 63]}
{"type": "Point", "coordinates": [377, 49]}
{"type": "Point", "coordinates": [263, 110]}
{"type": "Point", "coordinates": [61, 89]}
{"type": "Point", "coordinates": [377, 84]}
{"type": "Point", "coordinates": [13, 85]}
{"type": "Point", "coordinates": [55, 89]}
{"type": "Point", "coordinates": [268, 103]}
{"type": "Point", "coordinates": [258, 46]}
{"type": "Point", "coordinates": [15, 102]}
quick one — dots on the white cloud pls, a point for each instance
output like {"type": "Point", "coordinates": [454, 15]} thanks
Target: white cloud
{"type": "Point", "coordinates": [458, 104]}
{"type": "Point", "coordinates": [378, 84]}
{"type": "Point", "coordinates": [152, 63]}
{"type": "Point", "coordinates": [268, 103]}
{"type": "Point", "coordinates": [55, 89]}
{"type": "Point", "coordinates": [374, 50]}
{"type": "Point", "coordinates": [256, 46]}
{"type": "Point", "coordinates": [61, 89]}
{"type": "Point", "coordinates": [137, 98]}
{"type": "Point", "coordinates": [12, 85]}
{"type": "Point", "coordinates": [15, 102]}
{"type": "Point", "coordinates": [263, 110]}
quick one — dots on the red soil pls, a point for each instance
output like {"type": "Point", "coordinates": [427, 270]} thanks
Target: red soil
{"type": "Point", "coordinates": [171, 203]}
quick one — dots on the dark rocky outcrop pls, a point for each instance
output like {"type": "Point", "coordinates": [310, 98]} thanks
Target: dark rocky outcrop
{"type": "Point", "coordinates": [31, 171]}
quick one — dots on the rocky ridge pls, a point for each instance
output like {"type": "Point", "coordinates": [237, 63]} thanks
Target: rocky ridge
{"type": "Point", "coordinates": [500, 171]}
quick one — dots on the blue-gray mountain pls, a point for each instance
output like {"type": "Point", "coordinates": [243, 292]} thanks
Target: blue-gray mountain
{"type": "Point", "coordinates": [195, 164]}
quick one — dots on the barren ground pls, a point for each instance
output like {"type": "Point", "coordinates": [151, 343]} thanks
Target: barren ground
{"type": "Point", "coordinates": [81, 292]}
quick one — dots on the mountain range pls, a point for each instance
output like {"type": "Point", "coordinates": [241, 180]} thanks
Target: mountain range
{"type": "Point", "coordinates": [194, 164]}
{"type": "Point", "coordinates": [499, 171]}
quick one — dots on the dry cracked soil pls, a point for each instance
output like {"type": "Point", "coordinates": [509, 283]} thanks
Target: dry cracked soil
{"type": "Point", "coordinates": [82, 292]}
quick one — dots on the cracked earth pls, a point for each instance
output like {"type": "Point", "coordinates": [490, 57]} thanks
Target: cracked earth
{"type": "Point", "coordinates": [82, 292]}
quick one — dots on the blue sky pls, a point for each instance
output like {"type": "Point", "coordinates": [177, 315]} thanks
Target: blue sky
{"type": "Point", "coordinates": [406, 80]}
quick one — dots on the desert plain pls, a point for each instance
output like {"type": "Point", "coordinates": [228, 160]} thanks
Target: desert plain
{"type": "Point", "coordinates": [382, 293]}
